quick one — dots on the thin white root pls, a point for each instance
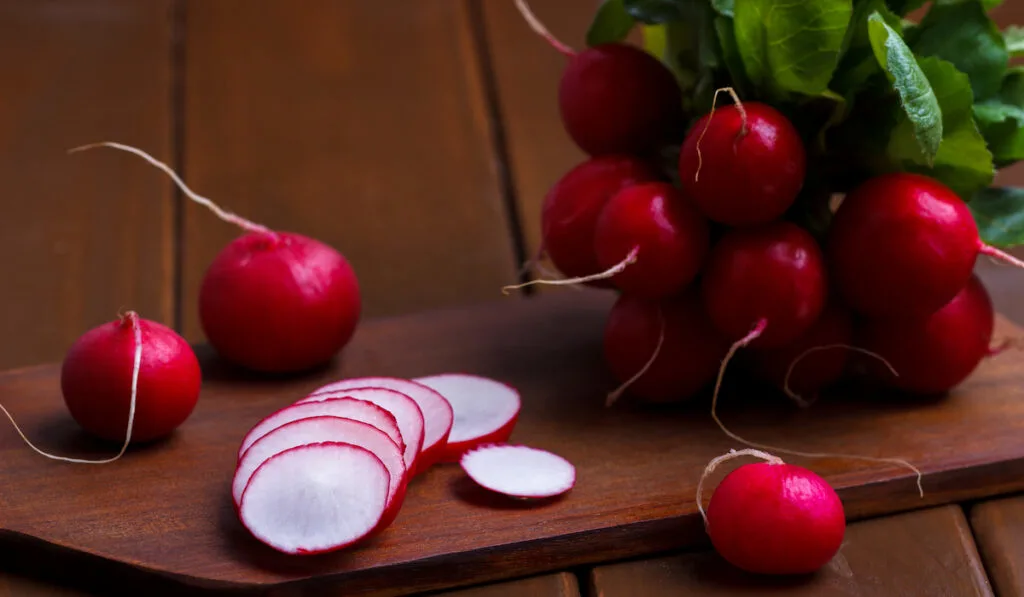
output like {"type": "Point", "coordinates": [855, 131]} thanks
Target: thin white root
{"type": "Point", "coordinates": [615, 394]}
{"type": "Point", "coordinates": [217, 210]}
{"type": "Point", "coordinates": [800, 400]}
{"type": "Point", "coordinates": [710, 468]}
{"type": "Point", "coordinates": [608, 273]}
{"type": "Point", "coordinates": [1000, 255]}
{"type": "Point", "coordinates": [753, 335]}
{"type": "Point", "coordinates": [536, 264]}
{"type": "Point", "coordinates": [137, 329]}
{"type": "Point", "coordinates": [541, 30]}
{"type": "Point", "coordinates": [743, 128]}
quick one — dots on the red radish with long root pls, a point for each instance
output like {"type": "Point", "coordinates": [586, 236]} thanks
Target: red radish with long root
{"type": "Point", "coordinates": [902, 245]}
{"type": "Point", "coordinates": [271, 301]}
{"type": "Point", "coordinates": [614, 97]}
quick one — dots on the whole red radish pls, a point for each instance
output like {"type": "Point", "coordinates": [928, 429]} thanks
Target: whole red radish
{"type": "Point", "coordinates": [903, 245]}
{"type": "Point", "coordinates": [691, 349]}
{"type": "Point", "coordinates": [743, 165]}
{"type": "Point", "coordinates": [573, 205]}
{"type": "Point", "coordinates": [937, 353]}
{"type": "Point", "coordinates": [775, 518]}
{"type": "Point", "coordinates": [271, 301]}
{"type": "Point", "coordinates": [671, 239]}
{"type": "Point", "coordinates": [96, 380]}
{"type": "Point", "coordinates": [771, 277]}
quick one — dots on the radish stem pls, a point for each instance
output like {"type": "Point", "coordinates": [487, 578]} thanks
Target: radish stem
{"type": "Point", "coordinates": [743, 128]}
{"type": "Point", "coordinates": [710, 468]}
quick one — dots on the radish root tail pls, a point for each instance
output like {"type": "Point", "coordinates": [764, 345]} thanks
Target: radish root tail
{"type": "Point", "coordinates": [207, 203]}
{"type": "Point", "coordinates": [136, 365]}
{"type": "Point", "coordinates": [615, 394]}
{"type": "Point", "coordinates": [714, 101]}
{"type": "Point", "coordinates": [1000, 255]}
{"type": "Point", "coordinates": [608, 273]}
{"type": "Point", "coordinates": [710, 468]}
{"type": "Point", "coordinates": [753, 335]}
{"type": "Point", "coordinates": [803, 402]}
{"type": "Point", "coordinates": [1006, 344]}
{"type": "Point", "coordinates": [541, 30]}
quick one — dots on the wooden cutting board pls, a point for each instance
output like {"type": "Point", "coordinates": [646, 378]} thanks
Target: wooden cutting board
{"type": "Point", "coordinates": [166, 508]}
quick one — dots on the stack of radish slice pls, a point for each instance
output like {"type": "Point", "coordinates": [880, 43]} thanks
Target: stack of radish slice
{"type": "Point", "coordinates": [332, 468]}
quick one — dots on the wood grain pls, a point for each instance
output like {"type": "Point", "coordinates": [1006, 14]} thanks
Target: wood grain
{"type": "Point", "coordinates": [927, 553]}
{"type": "Point", "coordinates": [84, 236]}
{"type": "Point", "coordinates": [999, 529]}
{"type": "Point", "coordinates": [167, 508]}
{"type": "Point", "coordinates": [363, 126]}
{"type": "Point", "coordinates": [552, 585]}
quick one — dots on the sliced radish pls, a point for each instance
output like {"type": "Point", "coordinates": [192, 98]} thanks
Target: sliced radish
{"type": "Point", "coordinates": [315, 498]}
{"type": "Point", "coordinates": [486, 410]}
{"type": "Point", "coordinates": [437, 412]}
{"type": "Point", "coordinates": [351, 408]}
{"type": "Point", "coordinates": [320, 429]}
{"type": "Point", "coordinates": [519, 471]}
{"type": "Point", "coordinates": [405, 410]}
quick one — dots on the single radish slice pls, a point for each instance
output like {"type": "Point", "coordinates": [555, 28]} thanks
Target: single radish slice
{"type": "Point", "coordinates": [519, 471]}
{"type": "Point", "coordinates": [314, 430]}
{"type": "Point", "coordinates": [486, 410]}
{"type": "Point", "coordinates": [351, 408]}
{"type": "Point", "coordinates": [404, 409]}
{"type": "Point", "coordinates": [315, 498]}
{"type": "Point", "coordinates": [437, 412]}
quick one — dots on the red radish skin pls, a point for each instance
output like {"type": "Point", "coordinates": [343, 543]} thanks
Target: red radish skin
{"type": "Point", "coordinates": [519, 471]}
{"type": "Point", "coordinates": [749, 166]}
{"type": "Point", "coordinates": [573, 205]}
{"type": "Point", "coordinates": [903, 245]}
{"type": "Point", "coordinates": [315, 498]}
{"type": "Point", "coordinates": [933, 355]}
{"type": "Point", "coordinates": [690, 351]}
{"type": "Point", "coordinates": [437, 412]}
{"type": "Point", "coordinates": [276, 302]}
{"type": "Point", "coordinates": [772, 275]}
{"type": "Point", "coordinates": [670, 235]}
{"type": "Point", "coordinates": [486, 411]}
{"type": "Point", "coordinates": [350, 408]}
{"type": "Point", "coordinates": [96, 380]}
{"type": "Point", "coordinates": [775, 518]}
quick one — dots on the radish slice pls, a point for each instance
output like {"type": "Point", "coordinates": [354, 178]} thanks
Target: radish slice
{"type": "Point", "coordinates": [519, 471]}
{"type": "Point", "coordinates": [315, 498]}
{"type": "Point", "coordinates": [486, 410]}
{"type": "Point", "coordinates": [437, 412]}
{"type": "Point", "coordinates": [405, 410]}
{"type": "Point", "coordinates": [315, 430]}
{"type": "Point", "coordinates": [350, 408]}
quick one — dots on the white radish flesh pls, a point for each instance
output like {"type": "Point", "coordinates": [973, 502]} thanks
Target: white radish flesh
{"type": "Point", "coordinates": [404, 409]}
{"type": "Point", "coordinates": [351, 408]}
{"type": "Point", "coordinates": [486, 410]}
{"type": "Point", "coordinates": [315, 498]}
{"type": "Point", "coordinates": [519, 471]}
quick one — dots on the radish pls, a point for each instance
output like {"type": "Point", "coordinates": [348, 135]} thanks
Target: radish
{"type": "Point", "coordinates": [519, 471]}
{"type": "Point", "coordinates": [661, 351]}
{"type": "Point", "coordinates": [486, 410]}
{"type": "Point", "coordinates": [670, 236]}
{"type": "Point", "coordinates": [614, 98]}
{"type": "Point", "coordinates": [272, 301]}
{"type": "Point", "coordinates": [744, 164]}
{"type": "Point", "coordinates": [903, 245]}
{"type": "Point", "coordinates": [437, 412]}
{"type": "Point", "coordinates": [350, 408]}
{"type": "Point", "coordinates": [319, 429]}
{"type": "Point", "coordinates": [935, 354]}
{"type": "Point", "coordinates": [772, 517]}
{"type": "Point", "coordinates": [315, 498]}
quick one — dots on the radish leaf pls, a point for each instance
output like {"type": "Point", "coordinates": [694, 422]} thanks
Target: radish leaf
{"type": "Point", "coordinates": [653, 12]}
{"type": "Point", "coordinates": [902, 7]}
{"type": "Point", "coordinates": [858, 64]}
{"type": "Point", "coordinates": [999, 214]}
{"type": "Point", "coordinates": [1001, 119]}
{"type": "Point", "coordinates": [1014, 37]}
{"type": "Point", "coordinates": [724, 7]}
{"type": "Point", "coordinates": [611, 23]}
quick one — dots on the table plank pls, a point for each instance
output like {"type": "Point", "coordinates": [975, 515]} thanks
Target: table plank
{"type": "Point", "coordinates": [364, 126]}
{"type": "Point", "coordinates": [999, 529]}
{"type": "Point", "coordinates": [552, 585]}
{"type": "Point", "coordinates": [83, 236]}
{"type": "Point", "coordinates": [923, 553]}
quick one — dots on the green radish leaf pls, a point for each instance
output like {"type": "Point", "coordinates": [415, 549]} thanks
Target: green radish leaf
{"type": "Point", "coordinates": [990, 4]}
{"type": "Point", "coordinates": [858, 64]}
{"type": "Point", "coordinates": [962, 33]}
{"type": "Point", "coordinates": [903, 7]}
{"type": "Point", "coordinates": [611, 23]}
{"type": "Point", "coordinates": [653, 12]}
{"type": "Point", "coordinates": [918, 100]}
{"type": "Point", "coordinates": [999, 213]}
{"type": "Point", "coordinates": [791, 45]}
{"type": "Point", "coordinates": [1014, 38]}
{"type": "Point", "coordinates": [1001, 119]}
{"type": "Point", "coordinates": [731, 58]}
{"type": "Point", "coordinates": [724, 7]}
